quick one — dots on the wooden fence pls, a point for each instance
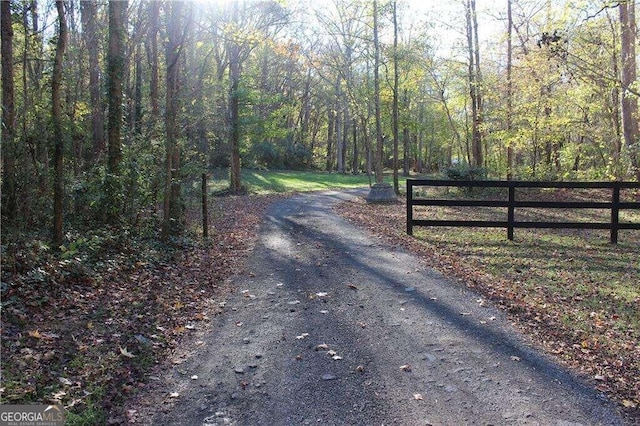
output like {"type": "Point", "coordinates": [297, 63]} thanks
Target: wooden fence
{"type": "Point", "coordinates": [615, 205]}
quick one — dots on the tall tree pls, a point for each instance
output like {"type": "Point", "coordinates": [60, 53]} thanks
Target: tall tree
{"type": "Point", "coordinates": [88, 9]}
{"type": "Point", "coordinates": [630, 116]}
{"type": "Point", "coordinates": [173, 206]}
{"type": "Point", "coordinates": [509, 118]}
{"type": "Point", "coordinates": [376, 96]}
{"type": "Point", "coordinates": [115, 73]}
{"type": "Point", "coordinates": [395, 119]}
{"type": "Point", "coordinates": [58, 133]}
{"type": "Point", "coordinates": [9, 202]}
{"type": "Point", "coordinates": [33, 110]}
{"type": "Point", "coordinates": [152, 55]}
{"type": "Point", "coordinates": [235, 184]}
{"type": "Point", "coordinates": [473, 46]}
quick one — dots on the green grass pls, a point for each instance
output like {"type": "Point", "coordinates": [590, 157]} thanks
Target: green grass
{"type": "Point", "coordinates": [584, 273]}
{"type": "Point", "coordinates": [576, 269]}
{"type": "Point", "coordinates": [270, 182]}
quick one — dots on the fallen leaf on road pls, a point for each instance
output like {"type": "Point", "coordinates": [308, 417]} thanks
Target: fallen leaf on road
{"type": "Point", "coordinates": [125, 352]}
{"type": "Point", "coordinates": [59, 395]}
{"type": "Point", "coordinates": [35, 334]}
{"type": "Point", "coordinates": [65, 381]}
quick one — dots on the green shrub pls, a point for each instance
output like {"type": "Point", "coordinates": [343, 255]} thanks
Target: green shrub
{"type": "Point", "coordinates": [466, 172]}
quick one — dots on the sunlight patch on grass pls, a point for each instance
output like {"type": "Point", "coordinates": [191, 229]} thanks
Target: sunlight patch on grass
{"type": "Point", "coordinates": [269, 182]}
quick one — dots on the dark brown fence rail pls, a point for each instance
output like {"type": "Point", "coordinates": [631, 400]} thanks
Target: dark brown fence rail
{"type": "Point", "coordinates": [615, 205]}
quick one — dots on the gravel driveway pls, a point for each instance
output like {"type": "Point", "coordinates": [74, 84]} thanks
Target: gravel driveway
{"type": "Point", "coordinates": [331, 326]}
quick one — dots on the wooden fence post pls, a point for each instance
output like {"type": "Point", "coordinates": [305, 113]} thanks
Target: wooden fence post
{"type": "Point", "coordinates": [511, 211]}
{"type": "Point", "coordinates": [409, 207]}
{"type": "Point", "coordinates": [205, 210]}
{"type": "Point", "coordinates": [615, 212]}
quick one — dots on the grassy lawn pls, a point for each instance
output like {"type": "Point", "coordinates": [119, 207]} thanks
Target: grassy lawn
{"type": "Point", "coordinates": [574, 293]}
{"type": "Point", "coordinates": [268, 182]}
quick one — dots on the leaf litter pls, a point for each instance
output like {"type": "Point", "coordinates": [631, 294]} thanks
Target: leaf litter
{"type": "Point", "coordinates": [109, 321]}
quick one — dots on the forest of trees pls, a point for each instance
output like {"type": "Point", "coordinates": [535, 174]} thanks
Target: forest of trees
{"type": "Point", "coordinates": [111, 108]}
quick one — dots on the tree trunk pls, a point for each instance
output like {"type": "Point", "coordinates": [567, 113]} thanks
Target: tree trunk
{"type": "Point", "coordinates": [356, 158]}
{"type": "Point", "coordinates": [406, 151]}
{"type": "Point", "coordinates": [330, 126]}
{"type": "Point", "coordinates": [474, 84]}
{"type": "Point", "coordinates": [479, 119]}
{"type": "Point", "coordinates": [406, 140]}
{"type": "Point", "coordinates": [396, 186]}
{"type": "Point", "coordinates": [9, 196]}
{"type": "Point", "coordinates": [339, 127]}
{"type": "Point", "coordinates": [420, 136]}
{"type": "Point", "coordinates": [115, 71]}
{"type": "Point", "coordinates": [630, 117]}
{"type": "Point", "coordinates": [173, 220]}
{"type": "Point", "coordinates": [137, 97]}
{"type": "Point", "coordinates": [367, 148]}
{"type": "Point", "coordinates": [90, 27]}
{"type": "Point", "coordinates": [376, 96]}
{"type": "Point", "coordinates": [235, 184]}
{"type": "Point", "coordinates": [509, 91]}
{"type": "Point", "coordinates": [58, 134]}
{"type": "Point", "coordinates": [152, 55]}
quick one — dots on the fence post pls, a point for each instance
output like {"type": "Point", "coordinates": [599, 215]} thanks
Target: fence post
{"type": "Point", "coordinates": [615, 212]}
{"type": "Point", "coordinates": [409, 207]}
{"type": "Point", "coordinates": [511, 211]}
{"type": "Point", "coordinates": [205, 212]}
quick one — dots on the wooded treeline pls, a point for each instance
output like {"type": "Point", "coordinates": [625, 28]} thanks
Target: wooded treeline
{"type": "Point", "coordinates": [110, 108]}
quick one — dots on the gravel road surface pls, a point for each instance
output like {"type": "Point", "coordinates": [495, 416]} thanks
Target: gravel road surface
{"type": "Point", "coordinates": [331, 326]}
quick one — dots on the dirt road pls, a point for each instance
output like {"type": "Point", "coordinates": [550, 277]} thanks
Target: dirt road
{"type": "Point", "coordinates": [330, 326]}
